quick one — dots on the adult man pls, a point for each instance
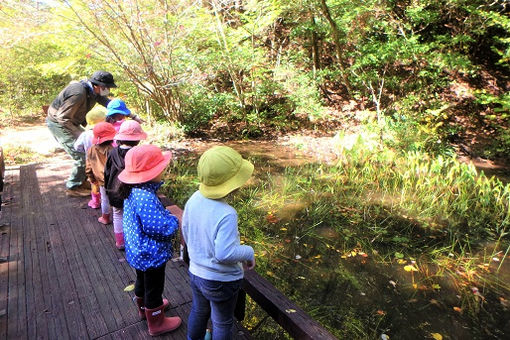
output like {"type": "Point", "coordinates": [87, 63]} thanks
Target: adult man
{"type": "Point", "coordinates": [66, 116]}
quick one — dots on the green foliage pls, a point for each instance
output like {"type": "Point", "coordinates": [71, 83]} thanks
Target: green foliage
{"type": "Point", "coordinates": [267, 65]}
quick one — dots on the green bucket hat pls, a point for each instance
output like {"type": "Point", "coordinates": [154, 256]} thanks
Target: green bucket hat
{"type": "Point", "coordinates": [221, 170]}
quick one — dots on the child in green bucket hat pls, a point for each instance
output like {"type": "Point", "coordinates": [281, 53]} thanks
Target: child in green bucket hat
{"type": "Point", "coordinates": [209, 228]}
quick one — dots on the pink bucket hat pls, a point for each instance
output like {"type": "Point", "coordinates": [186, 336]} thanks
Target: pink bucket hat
{"type": "Point", "coordinates": [130, 130]}
{"type": "Point", "coordinates": [143, 163]}
{"type": "Point", "coordinates": [103, 132]}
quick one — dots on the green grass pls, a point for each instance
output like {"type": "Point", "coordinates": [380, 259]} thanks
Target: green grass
{"type": "Point", "coordinates": [15, 154]}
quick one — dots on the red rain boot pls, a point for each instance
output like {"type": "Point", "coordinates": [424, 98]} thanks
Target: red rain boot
{"type": "Point", "coordinates": [104, 219]}
{"type": "Point", "coordinates": [158, 323]}
{"type": "Point", "coordinates": [95, 201]}
{"type": "Point", "coordinates": [141, 306]}
{"type": "Point", "coordinates": [119, 241]}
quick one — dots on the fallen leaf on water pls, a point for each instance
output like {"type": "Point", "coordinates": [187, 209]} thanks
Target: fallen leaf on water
{"type": "Point", "coordinates": [399, 255]}
{"type": "Point", "coordinates": [272, 218]}
{"type": "Point", "coordinates": [415, 285]}
{"type": "Point", "coordinates": [410, 268]}
{"type": "Point", "coordinates": [381, 312]}
{"type": "Point", "coordinates": [290, 310]}
{"type": "Point", "coordinates": [287, 240]}
{"type": "Point", "coordinates": [457, 309]}
{"type": "Point", "coordinates": [343, 256]}
{"type": "Point", "coordinates": [269, 273]}
{"type": "Point", "coordinates": [283, 229]}
{"type": "Point", "coordinates": [317, 257]}
{"type": "Point", "coordinates": [400, 261]}
{"type": "Point", "coordinates": [437, 336]}
{"type": "Point", "coordinates": [434, 302]}
{"type": "Point", "coordinates": [436, 286]}
{"type": "Point", "coordinates": [129, 288]}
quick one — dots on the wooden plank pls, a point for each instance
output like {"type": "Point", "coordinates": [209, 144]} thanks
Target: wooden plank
{"type": "Point", "coordinates": [297, 323]}
{"type": "Point", "coordinates": [87, 236]}
{"type": "Point", "coordinates": [56, 321]}
{"type": "Point", "coordinates": [65, 303]}
{"type": "Point", "coordinates": [16, 312]}
{"type": "Point", "coordinates": [36, 322]}
{"type": "Point", "coordinates": [5, 251]}
{"type": "Point", "coordinates": [177, 287]}
{"type": "Point", "coordinates": [95, 299]}
{"type": "Point", "coordinates": [5, 239]}
{"type": "Point", "coordinates": [113, 277]}
{"type": "Point", "coordinates": [89, 305]}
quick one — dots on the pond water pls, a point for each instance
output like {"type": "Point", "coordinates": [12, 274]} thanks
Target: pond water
{"type": "Point", "coordinates": [359, 294]}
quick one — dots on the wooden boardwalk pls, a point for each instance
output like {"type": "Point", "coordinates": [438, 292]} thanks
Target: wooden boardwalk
{"type": "Point", "coordinates": [61, 276]}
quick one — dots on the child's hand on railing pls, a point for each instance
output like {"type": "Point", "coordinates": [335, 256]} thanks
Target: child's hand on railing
{"type": "Point", "coordinates": [249, 265]}
{"type": "Point", "coordinates": [176, 211]}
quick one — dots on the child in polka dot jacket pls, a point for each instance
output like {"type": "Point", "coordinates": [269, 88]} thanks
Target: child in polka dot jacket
{"type": "Point", "coordinates": [148, 232]}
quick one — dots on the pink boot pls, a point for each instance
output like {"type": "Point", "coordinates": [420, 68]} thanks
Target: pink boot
{"type": "Point", "coordinates": [141, 306]}
{"type": "Point", "coordinates": [119, 241]}
{"type": "Point", "coordinates": [105, 219]}
{"type": "Point", "coordinates": [158, 323]}
{"type": "Point", "coordinates": [95, 201]}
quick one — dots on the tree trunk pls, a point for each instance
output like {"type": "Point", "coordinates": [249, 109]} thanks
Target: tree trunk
{"type": "Point", "coordinates": [336, 39]}
{"type": "Point", "coordinates": [315, 49]}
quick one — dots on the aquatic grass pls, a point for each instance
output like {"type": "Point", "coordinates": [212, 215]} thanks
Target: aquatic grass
{"type": "Point", "coordinates": [433, 213]}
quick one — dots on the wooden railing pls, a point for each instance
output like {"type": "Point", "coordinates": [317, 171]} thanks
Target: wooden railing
{"type": "Point", "coordinates": [285, 312]}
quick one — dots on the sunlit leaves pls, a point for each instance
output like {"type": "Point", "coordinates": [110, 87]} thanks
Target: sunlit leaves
{"type": "Point", "coordinates": [129, 288]}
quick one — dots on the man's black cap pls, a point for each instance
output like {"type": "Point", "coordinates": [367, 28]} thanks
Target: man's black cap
{"type": "Point", "coordinates": [102, 78]}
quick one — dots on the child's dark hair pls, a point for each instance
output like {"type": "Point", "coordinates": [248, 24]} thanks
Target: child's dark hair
{"type": "Point", "coordinates": [128, 142]}
{"type": "Point", "coordinates": [110, 119]}
{"type": "Point", "coordinates": [124, 190]}
{"type": "Point", "coordinates": [106, 142]}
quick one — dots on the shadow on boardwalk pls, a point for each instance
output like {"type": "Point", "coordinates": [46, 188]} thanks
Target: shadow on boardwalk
{"type": "Point", "coordinates": [61, 276]}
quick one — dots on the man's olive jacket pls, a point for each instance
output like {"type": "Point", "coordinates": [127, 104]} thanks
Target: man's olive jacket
{"type": "Point", "coordinates": [72, 104]}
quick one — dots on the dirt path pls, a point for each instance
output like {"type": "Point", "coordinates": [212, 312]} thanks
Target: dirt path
{"type": "Point", "coordinates": [37, 137]}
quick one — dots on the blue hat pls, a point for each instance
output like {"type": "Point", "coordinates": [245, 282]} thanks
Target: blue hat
{"type": "Point", "coordinates": [117, 106]}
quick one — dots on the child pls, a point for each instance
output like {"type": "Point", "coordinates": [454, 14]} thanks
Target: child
{"type": "Point", "coordinates": [129, 135]}
{"type": "Point", "coordinates": [209, 228]}
{"type": "Point", "coordinates": [148, 232]}
{"type": "Point", "coordinates": [96, 161]}
{"type": "Point", "coordinates": [116, 112]}
{"type": "Point", "coordinates": [83, 144]}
